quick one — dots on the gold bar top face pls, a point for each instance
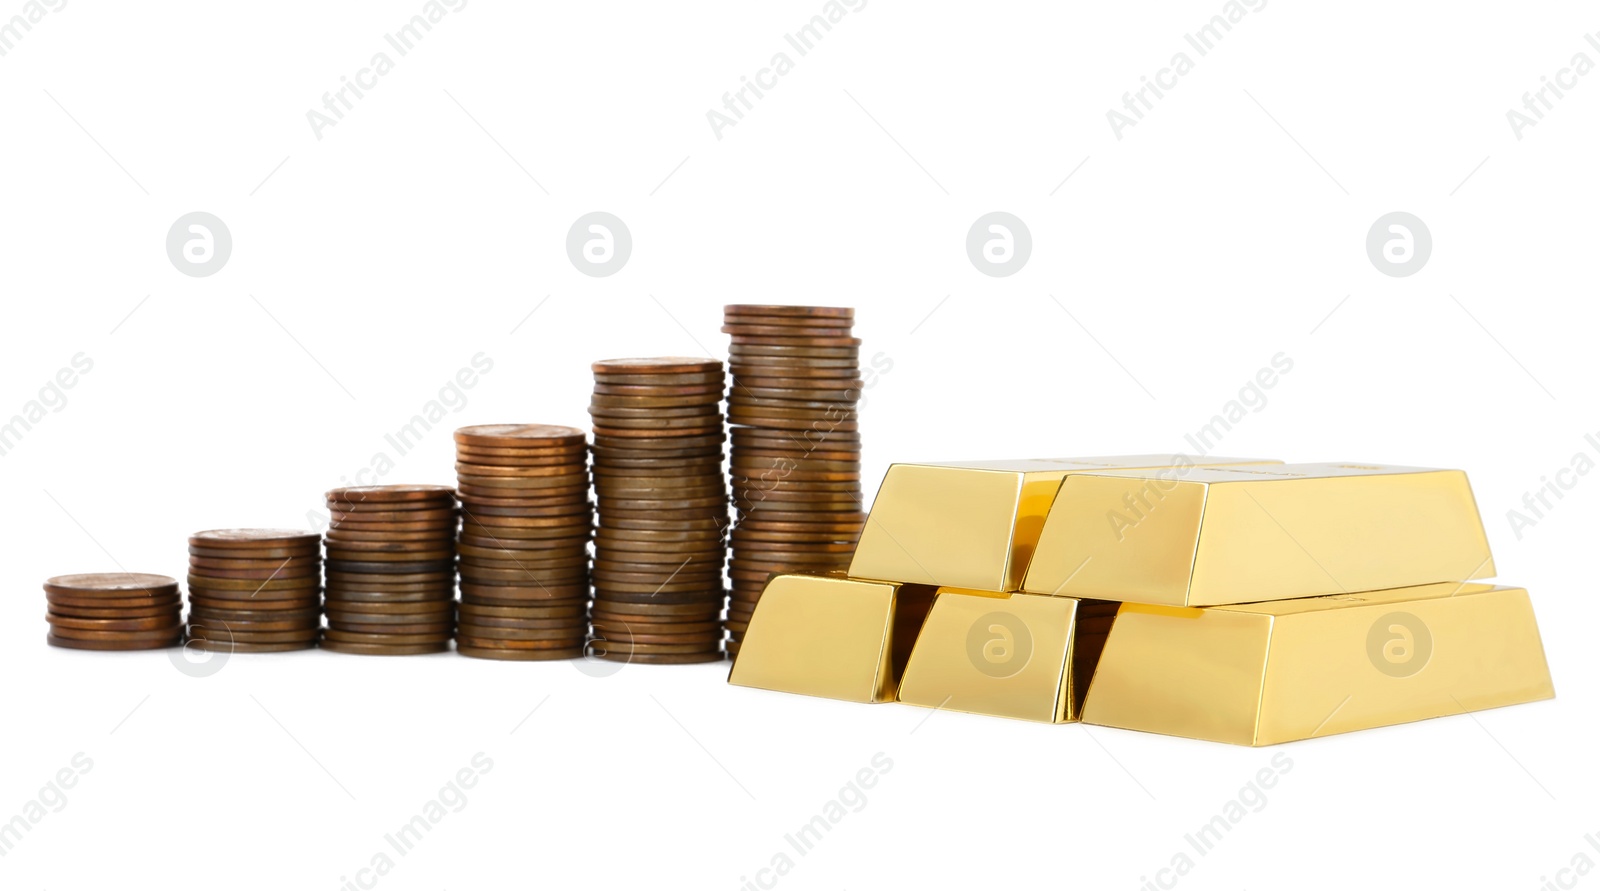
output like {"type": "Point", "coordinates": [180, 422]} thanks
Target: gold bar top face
{"type": "Point", "coordinates": [1202, 536]}
{"type": "Point", "coordinates": [1265, 673]}
{"type": "Point", "coordinates": [973, 524]}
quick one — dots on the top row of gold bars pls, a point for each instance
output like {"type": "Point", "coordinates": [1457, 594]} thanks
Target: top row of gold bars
{"type": "Point", "coordinates": [1239, 600]}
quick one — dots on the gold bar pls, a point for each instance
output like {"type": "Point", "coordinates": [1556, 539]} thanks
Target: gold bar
{"type": "Point", "coordinates": [973, 524]}
{"type": "Point", "coordinates": [1010, 655]}
{"type": "Point", "coordinates": [1267, 673]}
{"type": "Point", "coordinates": [1201, 536]}
{"type": "Point", "coordinates": [822, 634]}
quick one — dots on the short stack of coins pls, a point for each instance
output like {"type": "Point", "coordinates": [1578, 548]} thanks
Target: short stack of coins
{"type": "Point", "coordinates": [796, 456]}
{"type": "Point", "coordinates": [391, 570]}
{"type": "Point", "coordinates": [663, 510]}
{"type": "Point", "coordinates": [525, 529]}
{"type": "Point", "coordinates": [255, 590]}
{"type": "Point", "coordinates": [113, 611]}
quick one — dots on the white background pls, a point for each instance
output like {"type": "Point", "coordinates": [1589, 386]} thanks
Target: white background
{"type": "Point", "coordinates": [369, 265]}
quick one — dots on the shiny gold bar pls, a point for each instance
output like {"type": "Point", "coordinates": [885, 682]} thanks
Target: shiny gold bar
{"type": "Point", "coordinates": [1010, 655]}
{"type": "Point", "coordinates": [822, 634]}
{"type": "Point", "coordinates": [1267, 673]}
{"type": "Point", "coordinates": [1202, 535]}
{"type": "Point", "coordinates": [973, 524]}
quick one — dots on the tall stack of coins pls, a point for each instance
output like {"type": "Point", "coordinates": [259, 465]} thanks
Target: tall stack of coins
{"type": "Point", "coordinates": [391, 570]}
{"type": "Point", "coordinates": [255, 590]}
{"type": "Point", "coordinates": [796, 446]}
{"type": "Point", "coordinates": [113, 611]}
{"type": "Point", "coordinates": [663, 502]}
{"type": "Point", "coordinates": [525, 529]}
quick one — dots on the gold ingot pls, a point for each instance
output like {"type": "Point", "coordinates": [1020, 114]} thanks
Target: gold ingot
{"type": "Point", "coordinates": [827, 635]}
{"type": "Point", "coordinates": [1202, 536]}
{"type": "Point", "coordinates": [973, 524]}
{"type": "Point", "coordinates": [1010, 655]}
{"type": "Point", "coordinates": [1267, 673]}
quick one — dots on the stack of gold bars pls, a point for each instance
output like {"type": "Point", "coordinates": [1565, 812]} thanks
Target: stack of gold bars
{"type": "Point", "coordinates": [1236, 600]}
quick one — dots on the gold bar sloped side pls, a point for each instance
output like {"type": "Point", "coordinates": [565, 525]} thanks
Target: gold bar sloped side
{"type": "Point", "coordinates": [831, 636]}
{"type": "Point", "coordinates": [1267, 673]}
{"type": "Point", "coordinates": [1204, 536]}
{"type": "Point", "coordinates": [973, 524]}
{"type": "Point", "coordinates": [1009, 655]}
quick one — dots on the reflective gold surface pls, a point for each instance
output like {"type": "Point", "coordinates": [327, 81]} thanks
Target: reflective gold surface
{"type": "Point", "coordinates": [974, 524]}
{"type": "Point", "coordinates": [1266, 673]}
{"type": "Point", "coordinates": [1200, 536]}
{"type": "Point", "coordinates": [1010, 655]}
{"type": "Point", "coordinates": [826, 635]}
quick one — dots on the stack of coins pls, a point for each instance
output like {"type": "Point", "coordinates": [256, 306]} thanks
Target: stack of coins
{"type": "Point", "coordinates": [255, 590]}
{"type": "Point", "coordinates": [796, 447]}
{"type": "Point", "coordinates": [391, 570]}
{"type": "Point", "coordinates": [113, 611]}
{"type": "Point", "coordinates": [525, 529]}
{"type": "Point", "coordinates": [663, 504]}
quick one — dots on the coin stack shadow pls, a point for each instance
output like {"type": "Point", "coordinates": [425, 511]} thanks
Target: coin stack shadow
{"type": "Point", "coordinates": [391, 570]}
{"type": "Point", "coordinates": [525, 530]}
{"type": "Point", "coordinates": [796, 455]}
{"type": "Point", "coordinates": [113, 611]}
{"type": "Point", "coordinates": [255, 590]}
{"type": "Point", "coordinates": [663, 510]}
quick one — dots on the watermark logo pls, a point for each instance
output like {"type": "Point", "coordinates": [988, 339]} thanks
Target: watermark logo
{"type": "Point", "coordinates": [999, 244]}
{"type": "Point", "coordinates": [1398, 244]}
{"type": "Point", "coordinates": [199, 244]}
{"type": "Point", "coordinates": [599, 244]}
{"type": "Point", "coordinates": [1399, 644]}
{"type": "Point", "coordinates": [999, 644]}
{"type": "Point", "coordinates": [201, 663]}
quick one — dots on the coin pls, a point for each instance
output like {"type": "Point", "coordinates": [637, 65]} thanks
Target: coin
{"type": "Point", "coordinates": [249, 538]}
{"type": "Point", "coordinates": [76, 644]}
{"type": "Point", "coordinates": [518, 435]}
{"type": "Point", "coordinates": [363, 649]}
{"type": "Point", "coordinates": [784, 311]}
{"type": "Point", "coordinates": [657, 365]}
{"type": "Point", "coordinates": [518, 655]}
{"type": "Point", "coordinates": [111, 584]}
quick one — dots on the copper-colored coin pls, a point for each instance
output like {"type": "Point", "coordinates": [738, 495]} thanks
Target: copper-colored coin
{"type": "Point", "coordinates": [707, 397]}
{"type": "Point", "coordinates": [654, 625]}
{"type": "Point", "coordinates": [394, 493]}
{"type": "Point", "coordinates": [670, 524]}
{"type": "Point", "coordinates": [622, 537]}
{"type": "Point", "coordinates": [59, 601]}
{"type": "Point", "coordinates": [832, 395]}
{"type": "Point", "coordinates": [435, 630]}
{"type": "Point", "coordinates": [753, 462]}
{"type": "Point", "coordinates": [469, 469]}
{"type": "Point", "coordinates": [200, 632]}
{"type": "Point", "coordinates": [496, 632]}
{"type": "Point", "coordinates": [691, 517]}
{"type": "Point", "coordinates": [657, 365]}
{"type": "Point", "coordinates": [128, 636]}
{"type": "Point", "coordinates": [701, 597]}
{"type": "Point", "coordinates": [246, 602]}
{"type": "Point", "coordinates": [424, 540]}
{"type": "Point", "coordinates": [817, 335]}
{"type": "Point", "coordinates": [146, 623]}
{"type": "Point", "coordinates": [747, 403]}
{"type": "Point", "coordinates": [430, 528]}
{"type": "Point", "coordinates": [341, 577]}
{"type": "Point", "coordinates": [661, 446]}
{"type": "Point", "coordinates": [540, 549]}
{"type": "Point", "coordinates": [359, 553]}
{"type": "Point", "coordinates": [662, 380]}
{"type": "Point", "coordinates": [786, 311]}
{"type": "Point", "coordinates": [470, 615]}
{"type": "Point", "coordinates": [437, 515]}
{"type": "Point", "coordinates": [289, 576]}
{"type": "Point", "coordinates": [361, 649]}
{"type": "Point", "coordinates": [560, 643]}
{"type": "Point", "coordinates": [438, 595]}
{"type": "Point", "coordinates": [111, 584]}
{"type": "Point", "coordinates": [518, 435]}
{"type": "Point", "coordinates": [615, 655]}
{"type": "Point", "coordinates": [559, 463]}
{"type": "Point", "coordinates": [543, 611]}
{"type": "Point", "coordinates": [801, 476]}
{"type": "Point", "coordinates": [287, 618]}
{"type": "Point", "coordinates": [626, 610]}
{"type": "Point", "coordinates": [368, 623]}
{"type": "Point", "coordinates": [669, 390]}
{"type": "Point", "coordinates": [371, 563]}
{"type": "Point", "coordinates": [286, 564]}
{"type": "Point", "coordinates": [75, 644]}
{"type": "Point", "coordinates": [533, 509]}
{"type": "Point", "coordinates": [651, 504]}
{"type": "Point", "coordinates": [228, 646]}
{"type": "Point", "coordinates": [524, 578]}
{"type": "Point", "coordinates": [386, 639]}
{"type": "Point", "coordinates": [518, 655]}
{"type": "Point", "coordinates": [529, 527]}
{"type": "Point", "coordinates": [796, 354]}
{"type": "Point", "coordinates": [571, 450]}
{"type": "Point", "coordinates": [391, 607]}
{"type": "Point", "coordinates": [658, 432]}
{"type": "Point", "coordinates": [255, 555]}
{"type": "Point", "coordinates": [554, 538]}
{"type": "Point", "coordinates": [512, 594]}
{"type": "Point", "coordinates": [481, 498]}
{"type": "Point", "coordinates": [246, 538]}
{"type": "Point", "coordinates": [617, 646]}
{"type": "Point", "coordinates": [122, 612]}
{"type": "Point", "coordinates": [777, 513]}
{"type": "Point", "coordinates": [535, 485]}
{"type": "Point", "coordinates": [632, 636]}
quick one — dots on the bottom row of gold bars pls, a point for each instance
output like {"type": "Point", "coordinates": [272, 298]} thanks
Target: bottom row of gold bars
{"type": "Point", "coordinates": [1236, 600]}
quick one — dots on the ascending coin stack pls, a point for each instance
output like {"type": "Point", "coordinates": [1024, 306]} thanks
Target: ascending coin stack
{"type": "Point", "coordinates": [113, 611]}
{"type": "Point", "coordinates": [796, 454]}
{"type": "Point", "coordinates": [391, 570]}
{"type": "Point", "coordinates": [255, 590]}
{"type": "Point", "coordinates": [525, 528]}
{"type": "Point", "coordinates": [663, 509]}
